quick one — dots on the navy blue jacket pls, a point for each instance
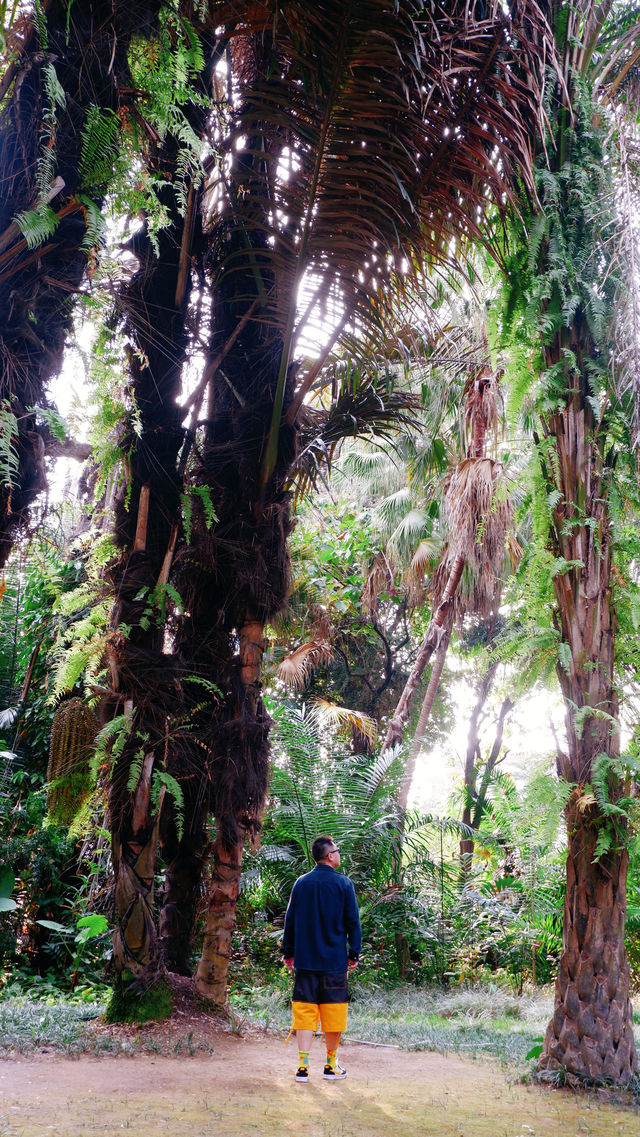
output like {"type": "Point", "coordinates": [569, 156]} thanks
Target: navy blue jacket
{"type": "Point", "coordinates": [322, 915]}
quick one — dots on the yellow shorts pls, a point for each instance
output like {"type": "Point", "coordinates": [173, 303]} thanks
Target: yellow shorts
{"type": "Point", "coordinates": [332, 1016]}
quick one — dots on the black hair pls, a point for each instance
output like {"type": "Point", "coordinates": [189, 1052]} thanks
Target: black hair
{"type": "Point", "coordinates": [321, 847]}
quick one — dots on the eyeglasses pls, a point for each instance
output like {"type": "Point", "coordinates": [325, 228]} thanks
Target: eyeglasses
{"type": "Point", "coordinates": [336, 850]}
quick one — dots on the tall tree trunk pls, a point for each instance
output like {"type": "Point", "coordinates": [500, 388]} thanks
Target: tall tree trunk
{"type": "Point", "coordinates": [591, 1032]}
{"type": "Point", "coordinates": [471, 769]}
{"type": "Point", "coordinates": [135, 951]}
{"type": "Point", "coordinates": [154, 303]}
{"type": "Point", "coordinates": [212, 974]}
{"type": "Point", "coordinates": [425, 711]}
{"type": "Point", "coordinates": [185, 859]}
{"type": "Point", "coordinates": [480, 803]}
{"type": "Point", "coordinates": [436, 632]}
{"type": "Point", "coordinates": [87, 50]}
{"type": "Point", "coordinates": [211, 979]}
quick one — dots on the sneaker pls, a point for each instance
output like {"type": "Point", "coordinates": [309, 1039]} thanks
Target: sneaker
{"type": "Point", "coordinates": [334, 1074]}
{"type": "Point", "coordinates": [302, 1074]}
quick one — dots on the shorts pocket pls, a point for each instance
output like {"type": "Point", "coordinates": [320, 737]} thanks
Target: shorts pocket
{"type": "Point", "coordinates": [335, 986]}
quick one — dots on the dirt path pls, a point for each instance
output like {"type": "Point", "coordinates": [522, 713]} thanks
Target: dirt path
{"type": "Point", "coordinates": [245, 1087]}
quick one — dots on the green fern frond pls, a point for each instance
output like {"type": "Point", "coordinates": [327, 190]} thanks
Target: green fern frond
{"type": "Point", "coordinates": [36, 225]}
{"type": "Point", "coordinates": [9, 461]}
{"type": "Point", "coordinates": [99, 134]}
{"type": "Point", "coordinates": [162, 778]}
{"type": "Point", "coordinates": [54, 421]}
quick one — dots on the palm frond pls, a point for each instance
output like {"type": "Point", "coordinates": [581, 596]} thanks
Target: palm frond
{"type": "Point", "coordinates": [427, 111]}
{"type": "Point", "coordinates": [425, 556]}
{"type": "Point", "coordinates": [414, 526]}
{"type": "Point", "coordinates": [329, 714]}
{"type": "Point", "coordinates": [296, 668]}
{"type": "Point", "coordinates": [380, 578]}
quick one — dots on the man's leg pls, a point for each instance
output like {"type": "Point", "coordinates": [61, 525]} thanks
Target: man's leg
{"type": "Point", "coordinates": [305, 1014]}
{"type": "Point", "coordinates": [333, 1016]}
{"type": "Point", "coordinates": [304, 1038]}
{"type": "Point", "coordinates": [332, 1039]}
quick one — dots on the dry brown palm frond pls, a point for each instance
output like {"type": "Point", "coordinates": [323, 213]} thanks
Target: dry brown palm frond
{"type": "Point", "coordinates": [514, 550]}
{"type": "Point", "coordinates": [425, 556]}
{"type": "Point", "coordinates": [478, 511]}
{"type": "Point", "coordinates": [483, 410]}
{"type": "Point", "coordinates": [295, 669]}
{"type": "Point", "coordinates": [381, 578]}
{"type": "Point", "coordinates": [326, 713]}
{"type": "Point", "coordinates": [423, 564]}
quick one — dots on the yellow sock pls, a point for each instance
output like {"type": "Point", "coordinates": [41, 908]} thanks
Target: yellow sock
{"type": "Point", "coordinates": [303, 1059]}
{"type": "Point", "coordinates": [332, 1056]}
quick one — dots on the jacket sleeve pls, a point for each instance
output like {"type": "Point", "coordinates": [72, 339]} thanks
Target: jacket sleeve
{"type": "Point", "coordinates": [289, 927]}
{"type": "Point", "coordinates": [352, 923]}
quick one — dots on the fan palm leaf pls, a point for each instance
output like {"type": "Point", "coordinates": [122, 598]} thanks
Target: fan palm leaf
{"type": "Point", "coordinates": [369, 134]}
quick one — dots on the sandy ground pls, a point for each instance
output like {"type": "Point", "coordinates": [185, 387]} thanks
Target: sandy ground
{"type": "Point", "coordinates": [245, 1086]}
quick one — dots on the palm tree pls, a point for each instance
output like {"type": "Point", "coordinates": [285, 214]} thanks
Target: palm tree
{"type": "Point", "coordinates": [62, 77]}
{"type": "Point", "coordinates": [561, 282]}
{"type": "Point", "coordinates": [357, 140]}
{"type": "Point", "coordinates": [478, 516]}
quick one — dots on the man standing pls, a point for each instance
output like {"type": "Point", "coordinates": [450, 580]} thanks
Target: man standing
{"type": "Point", "coordinates": [321, 918]}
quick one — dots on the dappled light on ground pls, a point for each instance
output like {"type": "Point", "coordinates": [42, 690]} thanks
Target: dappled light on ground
{"type": "Point", "coordinates": [246, 1087]}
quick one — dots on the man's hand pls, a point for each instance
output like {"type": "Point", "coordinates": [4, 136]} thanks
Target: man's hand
{"type": "Point", "coordinates": [352, 964]}
{"type": "Point", "coordinates": [289, 964]}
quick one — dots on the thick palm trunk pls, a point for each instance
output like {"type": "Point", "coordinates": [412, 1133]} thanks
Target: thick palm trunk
{"type": "Point", "coordinates": [144, 676]}
{"type": "Point", "coordinates": [212, 973]}
{"type": "Point", "coordinates": [135, 951]}
{"type": "Point", "coordinates": [182, 892]}
{"type": "Point", "coordinates": [211, 978]}
{"type": "Point", "coordinates": [591, 1033]}
{"type": "Point", "coordinates": [87, 50]}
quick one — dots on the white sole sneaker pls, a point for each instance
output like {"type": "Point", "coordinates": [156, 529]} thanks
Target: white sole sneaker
{"type": "Point", "coordinates": [334, 1075]}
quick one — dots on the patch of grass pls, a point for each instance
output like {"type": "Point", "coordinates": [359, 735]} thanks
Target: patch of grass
{"type": "Point", "coordinates": [27, 1024]}
{"type": "Point", "coordinates": [475, 1020]}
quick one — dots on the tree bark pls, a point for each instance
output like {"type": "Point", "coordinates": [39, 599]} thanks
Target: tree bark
{"type": "Point", "coordinates": [435, 634]}
{"type": "Point", "coordinates": [591, 1033]}
{"type": "Point", "coordinates": [90, 56]}
{"type": "Point", "coordinates": [182, 893]}
{"type": "Point", "coordinates": [425, 711]}
{"type": "Point", "coordinates": [135, 948]}
{"type": "Point", "coordinates": [212, 973]}
{"type": "Point", "coordinates": [471, 768]}
{"type": "Point", "coordinates": [476, 801]}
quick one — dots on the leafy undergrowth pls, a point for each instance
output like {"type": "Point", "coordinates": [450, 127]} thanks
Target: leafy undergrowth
{"type": "Point", "coordinates": [473, 1021]}
{"type": "Point", "coordinates": [478, 1020]}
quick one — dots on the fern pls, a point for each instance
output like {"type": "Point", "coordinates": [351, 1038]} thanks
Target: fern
{"type": "Point", "coordinates": [111, 741]}
{"type": "Point", "coordinates": [54, 421]}
{"type": "Point", "coordinates": [99, 136]}
{"type": "Point", "coordinates": [36, 225]}
{"type": "Point", "coordinates": [95, 227]}
{"type": "Point", "coordinates": [162, 778]}
{"type": "Point", "coordinates": [9, 461]}
{"type": "Point", "coordinates": [41, 222]}
{"type": "Point", "coordinates": [135, 770]}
